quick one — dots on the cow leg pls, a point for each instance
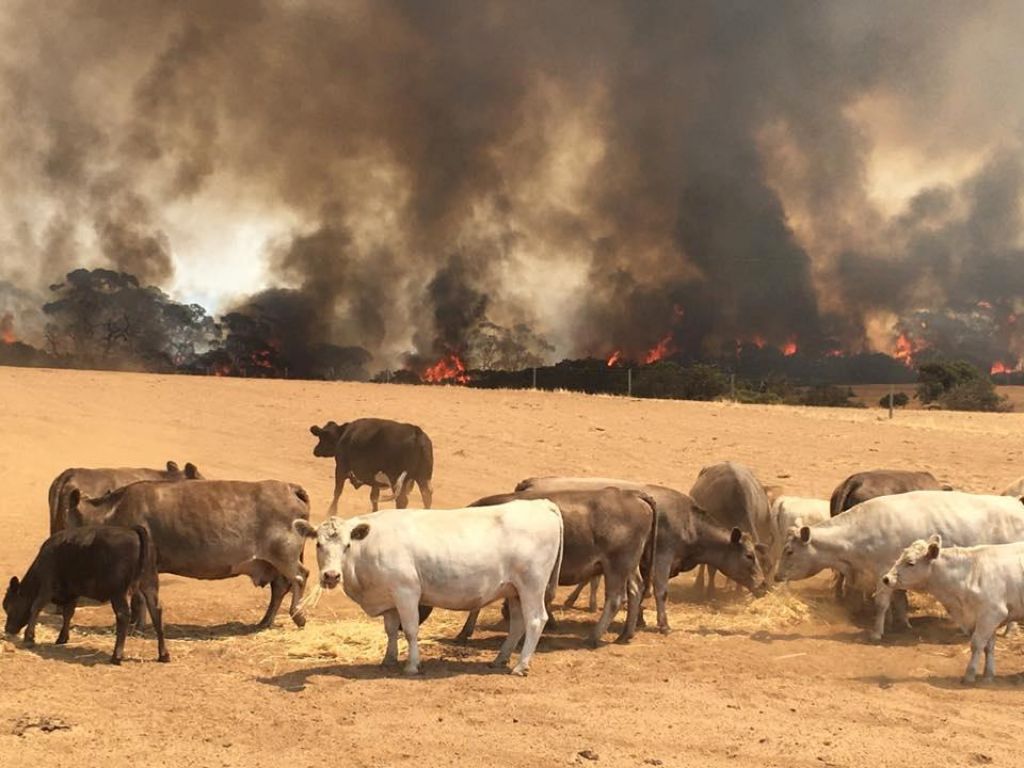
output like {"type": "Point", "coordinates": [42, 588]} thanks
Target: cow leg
{"type": "Point", "coordinates": [712, 572]}
{"type": "Point", "coordinates": [632, 609]}
{"type": "Point", "coordinates": [659, 580]}
{"type": "Point", "coordinates": [515, 633]}
{"type": "Point", "coordinates": [592, 603]}
{"type": "Point", "coordinates": [614, 584]}
{"type": "Point", "coordinates": [533, 617]}
{"type": "Point", "coordinates": [340, 476]}
{"type": "Point", "coordinates": [469, 627]}
{"type": "Point", "coordinates": [122, 613]}
{"type": "Point", "coordinates": [151, 593]}
{"type": "Point", "coordinates": [392, 623]}
{"type": "Point", "coordinates": [42, 600]}
{"type": "Point", "coordinates": [883, 598]}
{"type": "Point", "coordinates": [138, 615]}
{"type": "Point", "coordinates": [426, 492]}
{"type": "Point", "coordinates": [408, 604]}
{"type": "Point", "coordinates": [67, 613]}
{"type": "Point", "coordinates": [375, 497]}
{"type": "Point", "coordinates": [402, 497]}
{"type": "Point", "coordinates": [570, 601]}
{"type": "Point", "coordinates": [298, 588]}
{"type": "Point", "coordinates": [900, 608]}
{"type": "Point", "coordinates": [699, 582]}
{"type": "Point", "coordinates": [278, 589]}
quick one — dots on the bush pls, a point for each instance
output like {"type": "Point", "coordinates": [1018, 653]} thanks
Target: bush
{"type": "Point", "coordinates": [899, 400]}
{"type": "Point", "coordinates": [937, 378]}
{"type": "Point", "coordinates": [828, 396]}
{"type": "Point", "coordinates": [979, 395]}
{"type": "Point", "coordinates": [669, 380]}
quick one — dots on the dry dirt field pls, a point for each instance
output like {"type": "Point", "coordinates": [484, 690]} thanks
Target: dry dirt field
{"type": "Point", "coordinates": [785, 681]}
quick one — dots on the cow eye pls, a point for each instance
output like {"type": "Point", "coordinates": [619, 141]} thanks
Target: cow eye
{"type": "Point", "coordinates": [911, 563]}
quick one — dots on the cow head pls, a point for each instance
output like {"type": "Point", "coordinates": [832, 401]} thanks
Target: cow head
{"type": "Point", "coordinates": [914, 564]}
{"type": "Point", "coordinates": [329, 435]}
{"type": "Point", "coordinates": [17, 606]}
{"type": "Point", "coordinates": [742, 562]}
{"type": "Point", "coordinates": [334, 540]}
{"type": "Point", "coordinates": [798, 559]}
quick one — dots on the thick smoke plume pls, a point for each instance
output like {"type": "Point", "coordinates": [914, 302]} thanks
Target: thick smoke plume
{"type": "Point", "coordinates": [600, 176]}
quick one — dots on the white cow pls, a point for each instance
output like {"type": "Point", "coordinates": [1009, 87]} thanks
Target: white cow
{"type": "Point", "coordinates": [1016, 488]}
{"type": "Point", "coordinates": [864, 542]}
{"type": "Point", "coordinates": [981, 587]}
{"type": "Point", "coordinates": [794, 511]}
{"type": "Point", "coordinates": [392, 561]}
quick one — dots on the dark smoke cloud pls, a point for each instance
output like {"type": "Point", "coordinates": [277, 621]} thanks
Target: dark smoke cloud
{"type": "Point", "coordinates": [603, 173]}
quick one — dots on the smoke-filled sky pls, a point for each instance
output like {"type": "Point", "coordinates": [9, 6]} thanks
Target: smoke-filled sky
{"type": "Point", "coordinates": [605, 172]}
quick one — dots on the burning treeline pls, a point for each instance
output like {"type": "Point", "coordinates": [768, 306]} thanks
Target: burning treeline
{"type": "Point", "coordinates": [484, 185]}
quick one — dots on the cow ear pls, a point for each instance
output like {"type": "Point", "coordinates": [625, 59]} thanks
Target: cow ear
{"type": "Point", "coordinates": [934, 545]}
{"type": "Point", "coordinates": [74, 498]}
{"type": "Point", "coordinates": [360, 532]}
{"type": "Point", "coordinates": [315, 430]}
{"type": "Point", "coordinates": [192, 471]}
{"type": "Point", "coordinates": [303, 528]}
{"type": "Point", "coordinates": [172, 466]}
{"type": "Point", "coordinates": [805, 533]}
{"type": "Point", "coordinates": [735, 535]}
{"type": "Point", "coordinates": [12, 586]}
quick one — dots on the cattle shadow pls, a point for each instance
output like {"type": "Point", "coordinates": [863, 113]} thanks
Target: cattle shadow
{"type": "Point", "coordinates": [1011, 682]}
{"type": "Point", "coordinates": [430, 669]}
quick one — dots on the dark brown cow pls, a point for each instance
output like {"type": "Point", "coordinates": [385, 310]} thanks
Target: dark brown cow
{"type": "Point", "coordinates": [216, 529]}
{"type": "Point", "coordinates": [101, 562]}
{"type": "Point", "coordinates": [862, 486]}
{"type": "Point", "coordinates": [733, 497]}
{"type": "Point", "coordinates": [609, 531]}
{"type": "Point", "coordinates": [687, 537]}
{"type": "Point", "coordinates": [380, 453]}
{"type": "Point", "coordinates": [96, 482]}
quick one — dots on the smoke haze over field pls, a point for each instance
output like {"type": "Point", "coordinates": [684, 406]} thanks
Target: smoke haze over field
{"type": "Point", "coordinates": [606, 174]}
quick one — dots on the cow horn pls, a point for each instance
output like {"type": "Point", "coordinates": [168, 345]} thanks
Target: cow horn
{"type": "Point", "coordinates": [396, 488]}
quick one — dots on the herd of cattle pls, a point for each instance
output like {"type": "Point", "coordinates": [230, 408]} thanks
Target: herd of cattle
{"type": "Point", "coordinates": [883, 532]}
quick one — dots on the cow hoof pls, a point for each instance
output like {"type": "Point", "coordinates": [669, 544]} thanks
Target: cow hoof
{"type": "Point", "coordinates": [29, 642]}
{"type": "Point", "coordinates": [592, 643]}
{"type": "Point", "coordinates": [264, 625]}
{"type": "Point", "coordinates": [164, 658]}
{"type": "Point", "coordinates": [665, 630]}
{"type": "Point", "coordinates": [623, 639]}
{"type": "Point", "coordinates": [61, 640]}
{"type": "Point", "coordinates": [411, 671]}
{"type": "Point", "coordinates": [461, 639]}
{"type": "Point", "coordinates": [299, 619]}
{"type": "Point", "coordinates": [968, 680]}
{"type": "Point", "coordinates": [116, 660]}
{"type": "Point", "coordinates": [498, 664]}
{"type": "Point", "coordinates": [519, 671]}
{"type": "Point", "coordinates": [876, 637]}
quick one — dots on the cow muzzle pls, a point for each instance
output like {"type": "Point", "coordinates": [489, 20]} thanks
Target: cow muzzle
{"type": "Point", "coordinates": [889, 580]}
{"type": "Point", "coordinates": [330, 579]}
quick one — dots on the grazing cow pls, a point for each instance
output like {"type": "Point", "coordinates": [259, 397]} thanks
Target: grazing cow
{"type": "Point", "coordinates": [391, 562]}
{"type": "Point", "coordinates": [687, 537]}
{"type": "Point", "coordinates": [1015, 489]}
{"type": "Point", "coordinates": [105, 563]}
{"type": "Point", "coordinates": [379, 453]}
{"type": "Point", "coordinates": [865, 541]}
{"type": "Point", "coordinates": [981, 587]}
{"type": "Point", "coordinates": [216, 529]}
{"type": "Point", "coordinates": [607, 531]}
{"type": "Point", "coordinates": [862, 486]}
{"type": "Point", "coordinates": [794, 511]}
{"type": "Point", "coordinates": [733, 496]}
{"type": "Point", "coordinates": [96, 482]}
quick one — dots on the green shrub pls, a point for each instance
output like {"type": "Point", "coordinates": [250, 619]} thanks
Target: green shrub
{"type": "Point", "coordinates": [979, 395]}
{"type": "Point", "coordinates": [937, 378]}
{"type": "Point", "coordinates": [899, 400]}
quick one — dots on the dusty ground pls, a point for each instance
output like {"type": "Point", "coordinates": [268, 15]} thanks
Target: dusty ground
{"type": "Point", "coordinates": [787, 681]}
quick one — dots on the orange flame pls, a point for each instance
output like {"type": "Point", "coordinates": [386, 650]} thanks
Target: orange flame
{"type": "Point", "coordinates": [448, 370]}
{"type": "Point", "coordinates": [7, 329]}
{"type": "Point", "coordinates": [906, 348]}
{"type": "Point", "coordinates": [614, 358]}
{"type": "Point", "coordinates": [758, 341]}
{"type": "Point", "coordinates": [789, 348]}
{"type": "Point", "coordinates": [660, 350]}
{"type": "Point", "coordinates": [998, 367]}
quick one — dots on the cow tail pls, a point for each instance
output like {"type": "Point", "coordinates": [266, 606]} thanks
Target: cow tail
{"type": "Point", "coordinates": [146, 552]}
{"type": "Point", "coordinates": [838, 499]}
{"type": "Point", "coordinates": [652, 542]}
{"type": "Point", "coordinates": [557, 570]}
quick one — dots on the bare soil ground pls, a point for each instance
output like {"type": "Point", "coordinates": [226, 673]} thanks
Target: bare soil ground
{"type": "Point", "coordinates": [785, 681]}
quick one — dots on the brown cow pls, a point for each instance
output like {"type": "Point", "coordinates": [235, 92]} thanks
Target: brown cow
{"type": "Point", "coordinates": [104, 563]}
{"type": "Point", "coordinates": [733, 497]}
{"type": "Point", "coordinates": [607, 531]}
{"type": "Point", "coordinates": [96, 482]}
{"type": "Point", "coordinates": [380, 453]}
{"type": "Point", "coordinates": [216, 529]}
{"type": "Point", "coordinates": [862, 486]}
{"type": "Point", "coordinates": [687, 537]}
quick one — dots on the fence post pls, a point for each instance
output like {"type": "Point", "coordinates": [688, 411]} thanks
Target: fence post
{"type": "Point", "coordinates": [732, 387]}
{"type": "Point", "coordinates": [629, 382]}
{"type": "Point", "coordinates": [892, 394]}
